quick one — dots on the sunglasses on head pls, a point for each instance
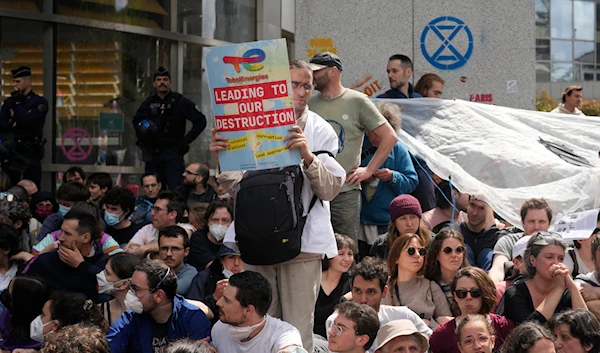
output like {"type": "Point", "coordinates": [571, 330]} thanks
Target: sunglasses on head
{"type": "Point", "coordinates": [448, 250]}
{"type": "Point", "coordinates": [7, 196]}
{"type": "Point", "coordinates": [411, 251]}
{"type": "Point", "coordinates": [462, 293]}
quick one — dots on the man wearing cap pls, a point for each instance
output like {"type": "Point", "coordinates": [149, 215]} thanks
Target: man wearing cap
{"type": "Point", "coordinates": [351, 114]}
{"type": "Point", "coordinates": [399, 70]}
{"type": "Point", "coordinates": [572, 98]}
{"type": "Point", "coordinates": [208, 285]}
{"type": "Point", "coordinates": [401, 336]}
{"type": "Point", "coordinates": [535, 216]}
{"type": "Point", "coordinates": [22, 120]}
{"type": "Point", "coordinates": [354, 329]}
{"type": "Point", "coordinates": [160, 128]}
{"type": "Point", "coordinates": [518, 268]}
{"type": "Point", "coordinates": [479, 232]}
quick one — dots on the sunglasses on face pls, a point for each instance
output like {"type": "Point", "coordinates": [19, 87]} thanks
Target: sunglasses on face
{"type": "Point", "coordinates": [462, 293]}
{"type": "Point", "coordinates": [448, 250]}
{"type": "Point", "coordinates": [412, 251]}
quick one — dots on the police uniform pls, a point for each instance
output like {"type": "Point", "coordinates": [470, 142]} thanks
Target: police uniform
{"type": "Point", "coordinates": [160, 129]}
{"type": "Point", "coordinates": [22, 119]}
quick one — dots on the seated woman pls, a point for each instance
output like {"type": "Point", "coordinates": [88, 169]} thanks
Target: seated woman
{"type": "Point", "coordinates": [66, 309]}
{"type": "Point", "coordinates": [42, 205]}
{"type": "Point", "coordinates": [114, 281]}
{"type": "Point", "coordinates": [334, 282]}
{"type": "Point", "coordinates": [474, 293]}
{"type": "Point", "coordinates": [576, 331]}
{"type": "Point", "coordinates": [24, 300]}
{"type": "Point", "coordinates": [407, 287]}
{"type": "Point", "coordinates": [405, 218]}
{"type": "Point", "coordinates": [529, 337]}
{"type": "Point", "coordinates": [90, 339]}
{"type": "Point", "coordinates": [446, 255]}
{"type": "Point", "coordinates": [207, 287]}
{"type": "Point", "coordinates": [9, 245]}
{"type": "Point", "coordinates": [474, 335]}
{"type": "Point", "coordinates": [550, 287]}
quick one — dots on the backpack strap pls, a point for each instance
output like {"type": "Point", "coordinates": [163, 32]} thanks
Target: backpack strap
{"type": "Point", "coordinates": [573, 256]}
{"type": "Point", "coordinates": [315, 198]}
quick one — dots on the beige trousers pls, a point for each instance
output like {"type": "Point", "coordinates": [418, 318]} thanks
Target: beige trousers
{"type": "Point", "coordinates": [295, 284]}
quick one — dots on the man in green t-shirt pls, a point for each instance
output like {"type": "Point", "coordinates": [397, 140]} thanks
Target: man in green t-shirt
{"type": "Point", "coordinates": [351, 114]}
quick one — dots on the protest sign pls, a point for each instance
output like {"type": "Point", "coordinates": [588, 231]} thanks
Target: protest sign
{"type": "Point", "coordinates": [252, 102]}
{"type": "Point", "coordinates": [576, 225]}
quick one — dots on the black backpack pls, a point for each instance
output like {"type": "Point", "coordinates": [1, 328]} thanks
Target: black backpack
{"type": "Point", "coordinates": [269, 214]}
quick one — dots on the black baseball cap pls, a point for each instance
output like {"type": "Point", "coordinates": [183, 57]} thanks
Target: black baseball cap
{"type": "Point", "coordinates": [323, 60]}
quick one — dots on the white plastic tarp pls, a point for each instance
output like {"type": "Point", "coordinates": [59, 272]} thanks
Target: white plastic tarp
{"type": "Point", "coordinates": [497, 150]}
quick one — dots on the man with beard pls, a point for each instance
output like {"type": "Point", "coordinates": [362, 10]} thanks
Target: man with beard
{"type": "Point", "coordinates": [195, 188]}
{"type": "Point", "coordinates": [399, 70]}
{"type": "Point", "coordinates": [351, 114]}
{"type": "Point", "coordinates": [244, 324]}
{"type": "Point", "coordinates": [160, 128]}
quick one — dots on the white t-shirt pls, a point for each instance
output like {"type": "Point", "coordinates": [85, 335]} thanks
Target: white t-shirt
{"type": "Point", "coordinates": [583, 269]}
{"type": "Point", "coordinates": [389, 313]}
{"type": "Point", "coordinates": [317, 235]}
{"type": "Point", "coordinates": [591, 276]}
{"type": "Point", "coordinates": [275, 336]}
{"type": "Point", "coordinates": [8, 276]}
{"type": "Point", "coordinates": [148, 234]}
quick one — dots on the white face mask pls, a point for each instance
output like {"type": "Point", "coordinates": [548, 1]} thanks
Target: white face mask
{"type": "Point", "coordinates": [227, 273]}
{"type": "Point", "coordinates": [240, 333]}
{"type": "Point", "coordinates": [36, 329]}
{"type": "Point", "coordinates": [133, 303]}
{"type": "Point", "coordinates": [218, 231]}
{"type": "Point", "coordinates": [225, 196]}
{"type": "Point", "coordinates": [104, 286]}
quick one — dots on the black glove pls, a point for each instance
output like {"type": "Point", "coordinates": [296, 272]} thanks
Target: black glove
{"type": "Point", "coordinates": [17, 96]}
{"type": "Point", "coordinates": [183, 148]}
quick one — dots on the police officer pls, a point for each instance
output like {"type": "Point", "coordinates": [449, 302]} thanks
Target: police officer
{"type": "Point", "coordinates": [160, 128]}
{"type": "Point", "coordinates": [22, 119]}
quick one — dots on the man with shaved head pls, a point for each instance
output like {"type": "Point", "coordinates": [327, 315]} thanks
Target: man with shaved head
{"type": "Point", "coordinates": [195, 188]}
{"type": "Point", "coordinates": [29, 186]}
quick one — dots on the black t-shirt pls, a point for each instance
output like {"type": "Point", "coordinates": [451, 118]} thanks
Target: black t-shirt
{"type": "Point", "coordinates": [123, 236]}
{"type": "Point", "coordinates": [160, 335]}
{"type": "Point", "coordinates": [202, 250]}
{"type": "Point", "coordinates": [325, 304]}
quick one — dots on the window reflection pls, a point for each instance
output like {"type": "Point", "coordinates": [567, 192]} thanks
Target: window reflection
{"type": "Point", "coordinates": [542, 49]}
{"type": "Point", "coordinates": [584, 51]}
{"type": "Point", "coordinates": [542, 18]}
{"type": "Point", "coordinates": [562, 72]}
{"type": "Point", "coordinates": [228, 20]}
{"type": "Point", "coordinates": [102, 78]}
{"type": "Point", "coordinates": [584, 24]}
{"type": "Point", "coordinates": [561, 17]}
{"type": "Point", "coordinates": [542, 72]}
{"type": "Point", "coordinates": [562, 50]}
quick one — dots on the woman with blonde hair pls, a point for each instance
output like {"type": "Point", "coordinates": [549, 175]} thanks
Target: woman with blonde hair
{"type": "Point", "coordinates": [409, 288]}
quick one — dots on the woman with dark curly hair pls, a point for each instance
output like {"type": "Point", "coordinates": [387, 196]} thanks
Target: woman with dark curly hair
{"type": "Point", "coordinates": [529, 337]}
{"type": "Point", "coordinates": [576, 331]}
{"type": "Point", "coordinates": [474, 293]}
{"type": "Point", "coordinates": [90, 339]}
{"type": "Point", "coordinates": [445, 256]}
{"type": "Point", "coordinates": [65, 309]}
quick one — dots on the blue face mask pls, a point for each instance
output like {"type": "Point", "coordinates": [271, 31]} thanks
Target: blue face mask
{"type": "Point", "coordinates": [111, 219]}
{"type": "Point", "coordinates": [63, 210]}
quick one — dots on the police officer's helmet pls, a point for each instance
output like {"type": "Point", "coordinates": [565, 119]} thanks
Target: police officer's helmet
{"type": "Point", "coordinates": [146, 130]}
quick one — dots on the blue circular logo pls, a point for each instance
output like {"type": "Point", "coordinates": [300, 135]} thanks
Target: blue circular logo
{"type": "Point", "coordinates": [447, 43]}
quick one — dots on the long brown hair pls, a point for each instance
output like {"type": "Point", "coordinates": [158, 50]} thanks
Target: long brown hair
{"type": "Point", "coordinates": [484, 282]}
{"type": "Point", "coordinates": [395, 252]}
{"type": "Point", "coordinates": [422, 232]}
{"type": "Point", "coordinates": [432, 265]}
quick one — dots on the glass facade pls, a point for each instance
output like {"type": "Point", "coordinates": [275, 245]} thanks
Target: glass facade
{"type": "Point", "coordinates": [567, 46]}
{"type": "Point", "coordinates": [96, 73]}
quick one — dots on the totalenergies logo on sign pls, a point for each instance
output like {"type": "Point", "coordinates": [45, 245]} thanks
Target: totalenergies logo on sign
{"type": "Point", "coordinates": [249, 60]}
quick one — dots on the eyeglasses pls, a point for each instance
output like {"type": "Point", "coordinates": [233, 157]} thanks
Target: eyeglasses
{"type": "Point", "coordinates": [306, 86]}
{"type": "Point", "coordinates": [188, 172]}
{"type": "Point", "coordinates": [174, 249]}
{"type": "Point", "coordinates": [412, 251]}
{"type": "Point", "coordinates": [157, 209]}
{"type": "Point", "coordinates": [462, 293]}
{"type": "Point", "coordinates": [337, 330]}
{"type": "Point", "coordinates": [448, 250]}
{"type": "Point", "coordinates": [483, 339]}
{"type": "Point", "coordinates": [7, 196]}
